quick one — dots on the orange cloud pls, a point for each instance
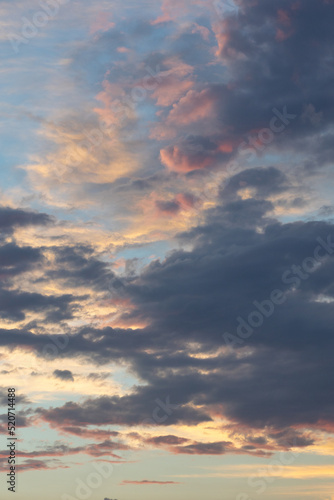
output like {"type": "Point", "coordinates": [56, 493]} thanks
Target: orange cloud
{"type": "Point", "coordinates": [226, 147]}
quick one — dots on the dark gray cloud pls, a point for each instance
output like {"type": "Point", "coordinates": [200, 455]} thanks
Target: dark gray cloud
{"type": "Point", "coordinates": [15, 260]}
{"type": "Point", "coordinates": [171, 207]}
{"type": "Point", "coordinates": [15, 217]}
{"type": "Point", "coordinates": [14, 305]}
{"type": "Point", "coordinates": [191, 299]}
{"type": "Point", "coordinates": [216, 448]}
{"type": "Point", "coordinates": [263, 181]}
{"type": "Point", "coordinates": [166, 440]}
{"type": "Point", "coordinates": [66, 375]}
{"type": "Point", "coordinates": [141, 407]}
{"type": "Point", "coordinates": [78, 266]}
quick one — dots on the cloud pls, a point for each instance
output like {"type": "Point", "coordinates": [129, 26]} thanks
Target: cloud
{"type": "Point", "coordinates": [65, 375]}
{"type": "Point", "coordinates": [16, 260]}
{"type": "Point", "coordinates": [58, 449]}
{"type": "Point", "coordinates": [169, 207]}
{"type": "Point", "coordinates": [32, 464]}
{"type": "Point", "coordinates": [195, 107]}
{"type": "Point", "coordinates": [163, 440]}
{"type": "Point", "coordinates": [180, 160]}
{"type": "Point", "coordinates": [77, 266]}
{"type": "Point", "coordinates": [84, 433]}
{"type": "Point", "coordinates": [238, 255]}
{"type": "Point", "coordinates": [134, 409]}
{"type": "Point", "coordinates": [14, 305]}
{"type": "Point", "coordinates": [176, 80]}
{"type": "Point", "coordinates": [11, 218]}
{"type": "Point", "coordinates": [218, 448]}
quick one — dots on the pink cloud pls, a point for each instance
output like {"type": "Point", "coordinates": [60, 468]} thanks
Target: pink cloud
{"type": "Point", "coordinates": [184, 157]}
{"type": "Point", "coordinates": [285, 21]}
{"type": "Point", "coordinates": [192, 108]}
{"type": "Point", "coordinates": [171, 90]}
{"type": "Point", "coordinates": [175, 82]}
{"type": "Point", "coordinates": [202, 30]}
{"type": "Point", "coordinates": [171, 10]}
{"type": "Point", "coordinates": [101, 23]}
{"type": "Point", "coordinates": [113, 111]}
{"type": "Point", "coordinates": [225, 51]}
{"type": "Point", "coordinates": [123, 50]}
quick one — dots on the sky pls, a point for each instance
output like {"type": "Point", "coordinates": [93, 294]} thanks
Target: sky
{"type": "Point", "coordinates": [167, 249]}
